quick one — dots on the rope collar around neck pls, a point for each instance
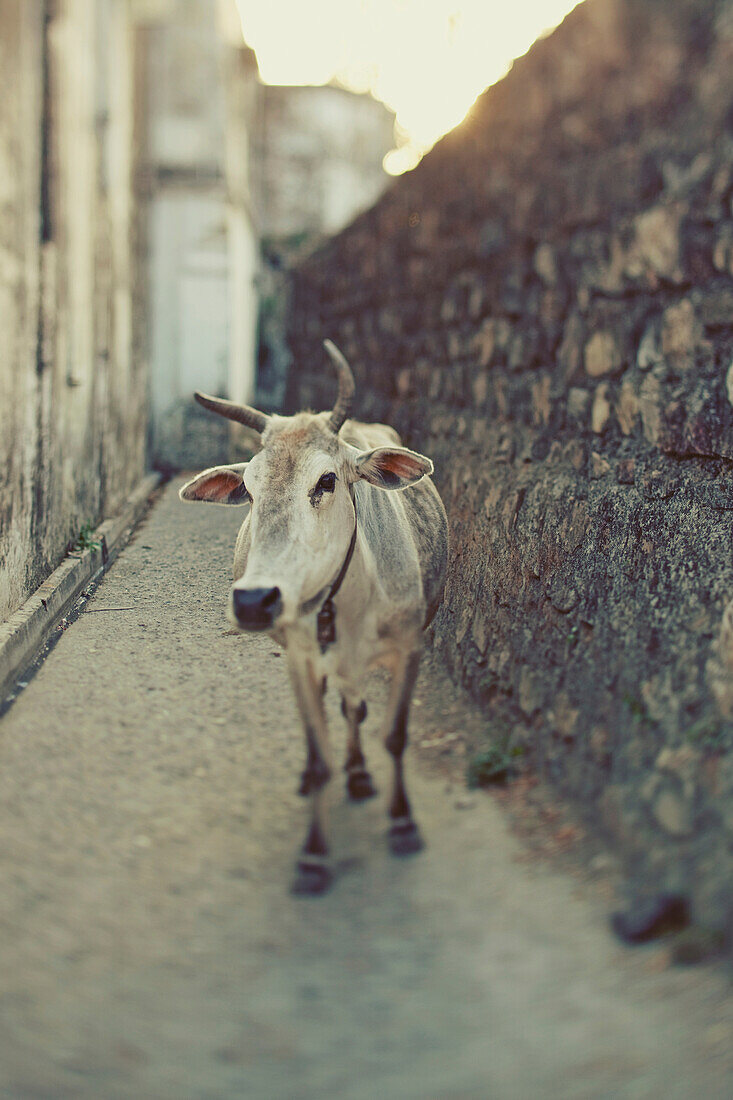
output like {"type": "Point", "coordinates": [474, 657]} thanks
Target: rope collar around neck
{"type": "Point", "coordinates": [326, 618]}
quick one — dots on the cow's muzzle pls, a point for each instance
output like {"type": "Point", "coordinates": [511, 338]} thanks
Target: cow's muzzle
{"type": "Point", "coordinates": [256, 608]}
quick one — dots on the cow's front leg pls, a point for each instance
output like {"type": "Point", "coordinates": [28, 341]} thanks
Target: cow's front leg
{"type": "Point", "coordinates": [312, 873]}
{"type": "Point", "coordinates": [404, 835]}
{"type": "Point", "coordinates": [313, 774]}
{"type": "Point", "coordinates": [358, 780]}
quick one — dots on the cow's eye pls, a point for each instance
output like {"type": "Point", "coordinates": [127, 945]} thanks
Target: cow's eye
{"type": "Point", "coordinates": [326, 484]}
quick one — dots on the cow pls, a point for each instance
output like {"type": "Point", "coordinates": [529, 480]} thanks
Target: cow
{"type": "Point", "coordinates": [342, 561]}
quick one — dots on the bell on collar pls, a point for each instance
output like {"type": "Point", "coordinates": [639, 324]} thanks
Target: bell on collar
{"type": "Point", "coordinates": [326, 625]}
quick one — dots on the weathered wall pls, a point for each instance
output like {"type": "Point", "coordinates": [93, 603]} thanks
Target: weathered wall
{"type": "Point", "coordinates": [317, 157]}
{"type": "Point", "coordinates": [545, 306]}
{"type": "Point", "coordinates": [72, 389]}
{"type": "Point", "coordinates": [199, 89]}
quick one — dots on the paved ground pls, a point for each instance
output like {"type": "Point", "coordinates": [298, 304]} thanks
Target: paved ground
{"type": "Point", "coordinates": [148, 945]}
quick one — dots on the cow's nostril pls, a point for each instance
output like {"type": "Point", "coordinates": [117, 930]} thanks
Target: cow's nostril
{"type": "Point", "coordinates": [272, 597]}
{"type": "Point", "coordinates": [255, 608]}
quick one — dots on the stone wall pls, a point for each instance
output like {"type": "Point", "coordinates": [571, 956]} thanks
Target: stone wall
{"type": "Point", "coordinates": [72, 385]}
{"type": "Point", "coordinates": [545, 306]}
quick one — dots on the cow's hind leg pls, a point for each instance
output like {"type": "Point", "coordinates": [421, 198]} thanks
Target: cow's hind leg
{"type": "Point", "coordinates": [313, 873]}
{"type": "Point", "coordinates": [404, 835]}
{"type": "Point", "coordinates": [358, 780]}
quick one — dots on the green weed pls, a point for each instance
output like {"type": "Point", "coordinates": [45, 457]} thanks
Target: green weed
{"type": "Point", "coordinates": [707, 733]}
{"type": "Point", "coordinates": [638, 710]}
{"type": "Point", "coordinates": [85, 540]}
{"type": "Point", "coordinates": [494, 766]}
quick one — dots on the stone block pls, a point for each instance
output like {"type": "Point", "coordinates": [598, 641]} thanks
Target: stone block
{"type": "Point", "coordinates": [649, 353]}
{"type": "Point", "coordinates": [484, 342]}
{"type": "Point", "coordinates": [578, 403]}
{"type": "Point", "coordinates": [674, 812]}
{"type": "Point", "coordinates": [545, 264]}
{"type": "Point", "coordinates": [601, 355]}
{"type": "Point", "coordinates": [656, 244]}
{"type": "Point", "coordinates": [599, 466]}
{"type": "Point", "coordinates": [601, 409]}
{"type": "Point", "coordinates": [680, 332]}
{"type": "Point", "coordinates": [627, 406]}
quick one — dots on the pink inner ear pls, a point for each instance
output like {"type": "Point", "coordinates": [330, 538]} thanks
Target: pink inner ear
{"type": "Point", "coordinates": [217, 487]}
{"type": "Point", "coordinates": [401, 465]}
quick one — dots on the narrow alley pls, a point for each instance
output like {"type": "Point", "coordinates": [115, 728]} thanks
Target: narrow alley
{"type": "Point", "coordinates": [149, 946]}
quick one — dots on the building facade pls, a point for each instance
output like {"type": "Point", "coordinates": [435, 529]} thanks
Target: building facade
{"type": "Point", "coordinates": [73, 406]}
{"type": "Point", "coordinates": [142, 166]}
{"type": "Point", "coordinates": [198, 85]}
{"type": "Point", "coordinates": [316, 159]}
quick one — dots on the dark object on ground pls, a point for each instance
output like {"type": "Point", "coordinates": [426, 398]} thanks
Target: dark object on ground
{"type": "Point", "coordinates": [650, 919]}
{"type": "Point", "coordinates": [698, 945]}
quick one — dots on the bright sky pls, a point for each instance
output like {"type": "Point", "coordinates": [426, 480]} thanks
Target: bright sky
{"type": "Point", "coordinates": [427, 60]}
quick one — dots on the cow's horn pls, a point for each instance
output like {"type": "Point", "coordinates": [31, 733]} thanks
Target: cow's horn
{"type": "Point", "coordinates": [346, 386]}
{"type": "Point", "coordinates": [243, 414]}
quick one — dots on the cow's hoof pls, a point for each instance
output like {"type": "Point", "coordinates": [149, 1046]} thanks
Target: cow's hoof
{"type": "Point", "coordinates": [313, 777]}
{"type": "Point", "coordinates": [311, 879]}
{"type": "Point", "coordinates": [405, 839]}
{"type": "Point", "coordinates": [360, 786]}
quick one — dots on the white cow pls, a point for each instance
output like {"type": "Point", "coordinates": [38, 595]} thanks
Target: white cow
{"type": "Point", "coordinates": [342, 573]}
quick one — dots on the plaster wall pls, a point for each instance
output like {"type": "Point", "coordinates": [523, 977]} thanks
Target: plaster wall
{"type": "Point", "coordinates": [72, 390]}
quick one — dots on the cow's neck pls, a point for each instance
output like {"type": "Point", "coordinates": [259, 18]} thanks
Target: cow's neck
{"type": "Point", "coordinates": [326, 618]}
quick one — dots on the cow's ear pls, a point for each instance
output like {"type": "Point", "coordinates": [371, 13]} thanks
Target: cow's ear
{"type": "Point", "coordinates": [392, 467]}
{"type": "Point", "coordinates": [219, 485]}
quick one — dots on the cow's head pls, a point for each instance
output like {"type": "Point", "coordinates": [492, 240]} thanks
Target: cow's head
{"type": "Point", "coordinates": [300, 490]}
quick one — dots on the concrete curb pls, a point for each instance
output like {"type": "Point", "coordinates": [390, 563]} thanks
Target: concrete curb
{"type": "Point", "coordinates": [22, 636]}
